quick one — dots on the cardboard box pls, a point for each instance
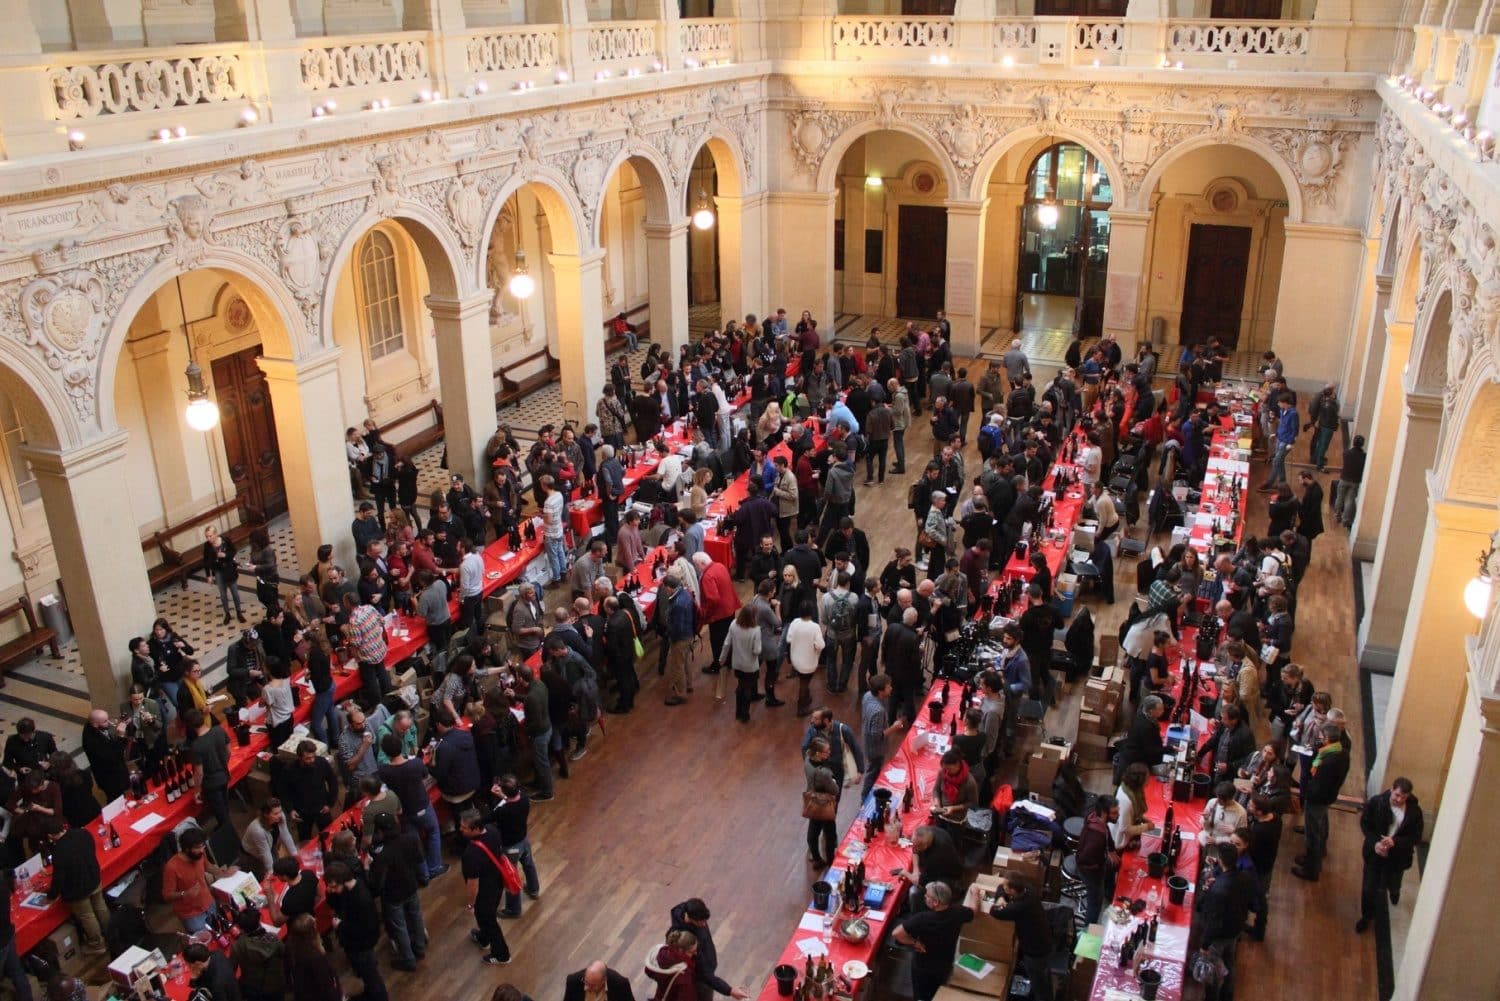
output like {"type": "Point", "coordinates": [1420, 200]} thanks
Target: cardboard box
{"type": "Point", "coordinates": [1007, 861]}
{"type": "Point", "coordinates": [995, 984]}
{"type": "Point", "coordinates": [240, 889]}
{"type": "Point", "coordinates": [287, 752]}
{"type": "Point", "coordinates": [134, 964]}
{"type": "Point", "coordinates": [1095, 722]}
{"type": "Point", "coordinates": [70, 950]}
{"type": "Point", "coordinates": [1043, 766]}
{"type": "Point", "coordinates": [989, 937]}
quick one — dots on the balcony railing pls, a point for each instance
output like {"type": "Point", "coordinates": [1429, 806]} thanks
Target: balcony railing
{"type": "Point", "coordinates": [706, 39]}
{"type": "Point", "coordinates": [97, 84]}
{"type": "Point", "coordinates": [1245, 38]}
{"type": "Point", "coordinates": [880, 37]}
{"type": "Point", "coordinates": [364, 61]}
{"type": "Point", "coordinates": [621, 41]}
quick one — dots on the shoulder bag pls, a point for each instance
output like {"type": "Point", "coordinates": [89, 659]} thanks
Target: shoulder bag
{"type": "Point", "coordinates": [819, 805]}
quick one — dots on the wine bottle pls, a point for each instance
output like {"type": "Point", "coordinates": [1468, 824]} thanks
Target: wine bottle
{"type": "Point", "coordinates": [906, 798]}
{"type": "Point", "coordinates": [1151, 934]}
{"type": "Point", "coordinates": [114, 837]}
{"type": "Point", "coordinates": [953, 727]}
{"type": "Point", "coordinates": [170, 783]}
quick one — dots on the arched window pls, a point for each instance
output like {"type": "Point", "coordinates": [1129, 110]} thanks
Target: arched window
{"type": "Point", "coordinates": [380, 295]}
{"type": "Point", "coordinates": [1064, 252]}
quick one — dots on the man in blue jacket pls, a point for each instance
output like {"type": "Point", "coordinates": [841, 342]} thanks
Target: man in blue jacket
{"type": "Point", "coordinates": [680, 630]}
{"type": "Point", "coordinates": [1286, 437]}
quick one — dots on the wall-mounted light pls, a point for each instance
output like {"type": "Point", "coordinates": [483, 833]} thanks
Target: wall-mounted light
{"type": "Point", "coordinates": [633, 71]}
{"type": "Point", "coordinates": [1007, 60]}
{"type": "Point", "coordinates": [703, 216]}
{"type": "Point", "coordinates": [77, 140]}
{"type": "Point", "coordinates": [561, 76]}
{"type": "Point", "coordinates": [691, 64]}
{"type": "Point", "coordinates": [521, 283]}
{"type": "Point", "coordinates": [378, 104]}
{"type": "Point", "coordinates": [425, 96]}
{"type": "Point", "coordinates": [325, 109]}
{"type": "Point", "coordinates": [939, 59]}
{"type": "Point", "coordinates": [1046, 214]}
{"type": "Point", "coordinates": [477, 89]}
{"type": "Point", "coordinates": [1480, 588]}
{"type": "Point", "coordinates": [249, 117]}
{"type": "Point", "coordinates": [657, 66]}
{"type": "Point", "coordinates": [524, 85]}
{"type": "Point", "coordinates": [874, 182]}
{"type": "Point", "coordinates": [1484, 143]}
{"type": "Point", "coordinates": [167, 135]}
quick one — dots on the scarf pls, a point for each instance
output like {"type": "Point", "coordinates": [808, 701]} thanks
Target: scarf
{"type": "Point", "coordinates": [1328, 750]}
{"type": "Point", "coordinates": [195, 689]}
{"type": "Point", "coordinates": [952, 783]}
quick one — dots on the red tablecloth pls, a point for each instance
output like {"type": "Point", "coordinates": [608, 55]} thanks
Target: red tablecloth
{"type": "Point", "coordinates": [1067, 511]}
{"type": "Point", "coordinates": [920, 762]}
{"type": "Point", "coordinates": [34, 925]}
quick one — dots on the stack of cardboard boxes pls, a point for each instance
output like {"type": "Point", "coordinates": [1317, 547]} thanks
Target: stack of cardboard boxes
{"type": "Point", "coordinates": [1100, 718]}
{"type": "Point", "coordinates": [990, 939]}
{"type": "Point", "coordinates": [1042, 767]}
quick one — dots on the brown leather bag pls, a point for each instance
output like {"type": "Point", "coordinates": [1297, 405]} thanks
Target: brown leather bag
{"type": "Point", "coordinates": [819, 805]}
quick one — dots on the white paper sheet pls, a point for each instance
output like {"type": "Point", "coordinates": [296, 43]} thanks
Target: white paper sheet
{"type": "Point", "coordinates": [112, 809]}
{"type": "Point", "coordinates": [147, 822]}
{"type": "Point", "coordinates": [874, 915]}
{"type": "Point", "coordinates": [895, 776]}
{"type": "Point", "coordinates": [811, 921]}
{"type": "Point", "coordinates": [812, 947]}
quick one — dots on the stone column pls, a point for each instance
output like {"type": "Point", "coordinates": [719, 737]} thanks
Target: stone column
{"type": "Point", "coordinates": [466, 375]}
{"type": "Point", "coordinates": [667, 280]}
{"type": "Point", "coordinates": [742, 287]}
{"type": "Point", "coordinates": [1357, 347]}
{"type": "Point", "coordinates": [801, 270]}
{"type": "Point", "coordinates": [1440, 959]}
{"type": "Point", "coordinates": [1306, 311]}
{"type": "Point", "coordinates": [1366, 390]}
{"type": "Point", "coordinates": [97, 541]}
{"type": "Point", "coordinates": [580, 327]}
{"type": "Point", "coordinates": [310, 434]}
{"type": "Point", "coordinates": [1384, 425]}
{"type": "Point", "coordinates": [154, 368]}
{"type": "Point", "coordinates": [965, 272]}
{"type": "Point", "coordinates": [1381, 631]}
{"type": "Point", "coordinates": [1128, 233]}
{"type": "Point", "coordinates": [1427, 695]}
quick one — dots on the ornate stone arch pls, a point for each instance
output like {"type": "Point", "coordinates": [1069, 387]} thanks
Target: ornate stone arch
{"type": "Point", "coordinates": [1053, 133]}
{"type": "Point", "coordinates": [437, 245]}
{"type": "Point", "coordinates": [730, 162]}
{"type": "Point", "coordinates": [1391, 234]}
{"type": "Point", "coordinates": [1408, 279]}
{"type": "Point", "coordinates": [1468, 468]}
{"type": "Point", "coordinates": [279, 320]}
{"type": "Point", "coordinates": [1429, 344]}
{"type": "Point", "coordinates": [564, 213]}
{"type": "Point", "coordinates": [41, 402]}
{"type": "Point", "coordinates": [1141, 200]}
{"type": "Point", "coordinates": [829, 165]}
{"type": "Point", "coordinates": [663, 200]}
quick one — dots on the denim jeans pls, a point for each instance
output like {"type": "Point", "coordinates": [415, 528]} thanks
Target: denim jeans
{"type": "Point", "coordinates": [194, 923]}
{"type": "Point", "coordinates": [1320, 446]}
{"type": "Point", "coordinates": [324, 721]}
{"type": "Point", "coordinates": [520, 855]}
{"type": "Point", "coordinates": [557, 557]}
{"type": "Point", "coordinates": [874, 764]}
{"type": "Point", "coordinates": [1278, 465]}
{"type": "Point", "coordinates": [841, 661]}
{"type": "Point", "coordinates": [404, 925]}
{"type": "Point", "coordinates": [367, 969]}
{"type": "Point", "coordinates": [12, 970]}
{"type": "Point", "coordinates": [1344, 496]}
{"type": "Point", "coordinates": [877, 450]}
{"type": "Point", "coordinates": [432, 838]}
{"type": "Point", "coordinates": [225, 581]}
{"type": "Point", "coordinates": [540, 751]}
{"type": "Point", "coordinates": [898, 442]}
{"type": "Point", "coordinates": [169, 691]}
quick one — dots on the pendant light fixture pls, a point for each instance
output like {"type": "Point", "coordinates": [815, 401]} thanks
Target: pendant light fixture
{"type": "Point", "coordinates": [202, 412]}
{"type": "Point", "coordinates": [703, 216]}
{"type": "Point", "coordinates": [521, 283]}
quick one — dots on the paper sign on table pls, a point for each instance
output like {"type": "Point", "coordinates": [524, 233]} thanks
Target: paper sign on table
{"type": "Point", "coordinates": [895, 775]}
{"type": "Point", "coordinates": [112, 809]}
{"type": "Point", "coordinates": [811, 921]}
{"type": "Point", "coordinates": [874, 915]}
{"type": "Point", "coordinates": [147, 822]}
{"type": "Point", "coordinates": [812, 947]}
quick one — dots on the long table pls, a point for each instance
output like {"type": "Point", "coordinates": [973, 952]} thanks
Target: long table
{"type": "Point", "coordinates": [916, 762]}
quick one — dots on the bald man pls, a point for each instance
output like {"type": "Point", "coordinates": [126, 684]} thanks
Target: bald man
{"type": "Point", "coordinates": [597, 982]}
{"type": "Point", "coordinates": [104, 745]}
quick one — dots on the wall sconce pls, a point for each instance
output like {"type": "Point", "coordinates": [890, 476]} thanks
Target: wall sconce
{"type": "Point", "coordinates": [477, 88]}
{"type": "Point", "coordinates": [325, 109]}
{"type": "Point", "coordinates": [167, 135]}
{"type": "Point", "coordinates": [425, 96]}
{"type": "Point", "coordinates": [561, 76]}
{"type": "Point", "coordinates": [76, 140]}
{"type": "Point", "coordinates": [1478, 590]}
{"type": "Point", "coordinates": [378, 104]}
{"type": "Point", "coordinates": [875, 182]}
{"type": "Point", "coordinates": [1007, 60]}
{"type": "Point", "coordinates": [249, 117]}
{"type": "Point", "coordinates": [1484, 142]}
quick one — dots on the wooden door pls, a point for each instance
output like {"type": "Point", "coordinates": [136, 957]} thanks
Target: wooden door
{"type": "Point", "coordinates": [248, 427]}
{"type": "Point", "coordinates": [1213, 294]}
{"type": "Point", "coordinates": [921, 260]}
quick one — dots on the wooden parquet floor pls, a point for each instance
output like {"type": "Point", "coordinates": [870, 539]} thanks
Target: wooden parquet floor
{"type": "Point", "coordinates": [681, 802]}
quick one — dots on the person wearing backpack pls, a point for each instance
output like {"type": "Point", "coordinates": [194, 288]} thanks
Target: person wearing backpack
{"type": "Point", "coordinates": [257, 955]}
{"type": "Point", "coordinates": [839, 612]}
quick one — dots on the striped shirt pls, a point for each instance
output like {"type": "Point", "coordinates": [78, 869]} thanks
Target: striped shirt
{"type": "Point", "coordinates": [367, 632]}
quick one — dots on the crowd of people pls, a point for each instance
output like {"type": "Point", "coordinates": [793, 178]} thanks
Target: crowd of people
{"type": "Point", "coordinates": [769, 401]}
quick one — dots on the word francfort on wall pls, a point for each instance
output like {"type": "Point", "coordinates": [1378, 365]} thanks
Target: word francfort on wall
{"type": "Point", "coordinates": [68, 263]}
{"type": "Point", "coordinates": [1314, 131]}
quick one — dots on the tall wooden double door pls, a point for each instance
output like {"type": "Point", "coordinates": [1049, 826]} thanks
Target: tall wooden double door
{"type": "Point", "coordinates": [248, 426]}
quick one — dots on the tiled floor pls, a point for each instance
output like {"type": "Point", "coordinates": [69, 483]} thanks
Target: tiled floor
{"type": "Point", "coordinates": [703, 318]}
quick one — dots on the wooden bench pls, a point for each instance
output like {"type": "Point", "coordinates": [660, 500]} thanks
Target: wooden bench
{"type": "Point", "coordinates": [177, 565]}
{"type": "Point", "coordinates": [617, 342]}
{"type": "Point", "coordinates": [516, 390]}
{"type": "Point", "coordinates": [29, 642]}
{"type": "Point", "coordinates": [408, 447]}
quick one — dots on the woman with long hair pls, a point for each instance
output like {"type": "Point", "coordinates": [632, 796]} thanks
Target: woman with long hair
{"type": "Point", "coordinates": [308, 971]}
{"type": "Point", "coordinates": [1131, 796]}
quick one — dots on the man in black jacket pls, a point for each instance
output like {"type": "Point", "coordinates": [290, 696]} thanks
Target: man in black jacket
{"type": "Point", "coordinates": [309, 789]}
{"type": "Point", "coordinates": [1221, 908]}
{"type": "Point", "coordinates": [75, 878]}
{"type": "Point", "coordinates": [903, 662]}
{"type": "Point", "coordinates": [597, 978]}
{"type": "Point", "coordinates": [1391, 823]}
{"type": "Point", "coordinates": [395, 875]}
{"type": "Point", "coordinates": [1143, 743]}
{"type": "Point", "coordinates": [692, 915]}
{"type": "Point", "coordinates": [212, 974]}
{"type": "Point", "coordinates": [104, 746]}
{"type": "Point", "coordinates": [28, 747]}
{"type": "Point", "coordinates": [1023, 905]}
{"type": "Point", "coordinates": [484, 884]}
{"type": "Point", "coordinates": [1329, 769]}
{"type": "Point", "coordinates": [358, 925]}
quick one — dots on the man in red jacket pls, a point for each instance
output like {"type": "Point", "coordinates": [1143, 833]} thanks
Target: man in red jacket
{"type": "Point", "coordinates": [718, 604]}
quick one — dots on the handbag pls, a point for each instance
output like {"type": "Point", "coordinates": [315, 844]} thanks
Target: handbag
{"type": "Point", "coordinates": [926, 541]}
{"type": "Point", "coordinates": [508, 876]}
{"type": "Point", "coordinates": [640, 649]}
{"type": "Point", "coordinates": [819, 805]}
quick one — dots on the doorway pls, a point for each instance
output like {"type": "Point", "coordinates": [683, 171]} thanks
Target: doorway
{"type": "Point", "coordinates": [1213, 294]}
{"type": "Point", "coordinates": [1062, 261]}
{"type": "Point", "coordinates": [921, 260]}
{"type": "Point", "coordinates": [248, 428]}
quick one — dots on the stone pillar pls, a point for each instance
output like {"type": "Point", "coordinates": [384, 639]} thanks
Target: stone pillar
{"type": "Point", "coordinates": [1128, 232]}
{"type": "Point", "coordinates": [266, 19]}
{"type": "Point", "coordinates": [580, 327]}
{"type": "Point", "coordinates": [1381, 631]}
{"type": "Point", "coordinates": [97, 541]}
{"type": "Point", "coordinates": [1384, 425]}
{"type": "Point", "coordinates": [742, 287]}
{"type": "Point", "coordinates": [801, 270]}
{"type": "Point", "coordinates": [1440, 959]}
{"type": "Point", "coordinates": [1366, 390]}
{"type": "Point", "coordinates": [1427, 695]}
{"type": "Point", "coordinates": [1307, 311]}
{"type": "Point", "coordinates": [1358, 344]}
{"type": "Point", "coordinates": [310, 434]}
{"type": "Point", "coordinates": [965, 272]}
{"type": "Point", "coordinates": [466, 376]}
{"type": "Point", "coordinates": [667, 280]}
{"type": "Point", "coordinates": [154, 368]}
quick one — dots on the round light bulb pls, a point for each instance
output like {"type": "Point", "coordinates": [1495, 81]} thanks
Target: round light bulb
{"type": "Point", "coordinates": [1047, 215]}
{"type": "Point", "coordinates": [703, 218]}
{"type": "Point", "coordinates": [1477, 595]}
{"type": "Point", "coordinates": [202, 414]}
{"type": "Point", "coordinates": [521, 285]}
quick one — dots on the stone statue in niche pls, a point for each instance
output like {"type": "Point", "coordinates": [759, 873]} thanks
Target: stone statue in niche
{"type": "Point", "coordinates": [498, 265]}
